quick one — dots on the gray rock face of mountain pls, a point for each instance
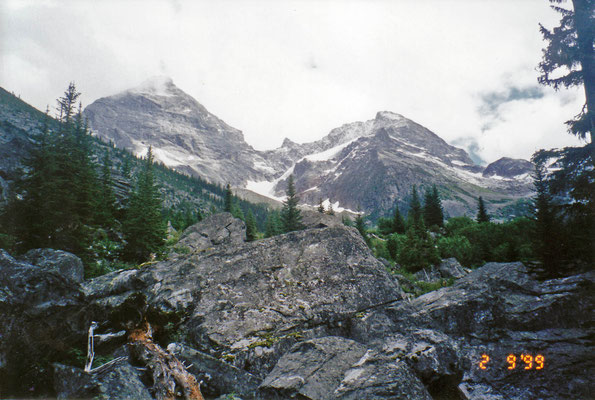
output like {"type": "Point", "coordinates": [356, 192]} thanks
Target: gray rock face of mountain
{"type": "Point", "coordinates": [310, 315]}
{"type": "Point", "coordinates": [362, 164]}
{"type": "Point", "coordinates": [509, 168]}
{"type": "Point", "coordinates": [181, 131]}
{"type": "Point", "coordinates": [372, 164]}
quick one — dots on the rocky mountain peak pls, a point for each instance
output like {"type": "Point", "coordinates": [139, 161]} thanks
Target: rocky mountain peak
{"type": "Point", "coordinates": [508, 168]}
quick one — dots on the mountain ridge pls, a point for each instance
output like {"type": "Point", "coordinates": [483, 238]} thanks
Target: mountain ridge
{"type": "Point", "coordinates": [390, 148]}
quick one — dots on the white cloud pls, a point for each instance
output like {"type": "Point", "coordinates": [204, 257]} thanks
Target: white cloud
{"type": "Point", "coordinates": [300, 68]}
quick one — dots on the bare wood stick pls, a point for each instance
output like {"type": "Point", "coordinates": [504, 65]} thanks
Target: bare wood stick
{"type": "Point", "coordinates": [90, 347]}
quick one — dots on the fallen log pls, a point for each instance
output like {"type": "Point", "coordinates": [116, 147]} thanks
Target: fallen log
{"type": "Point", "coordinates": [170, 379]}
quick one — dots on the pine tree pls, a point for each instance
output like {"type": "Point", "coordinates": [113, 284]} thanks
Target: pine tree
{"type": "Point", "coordinates": [398, 223]}
{"type": "Point", "coordinates": [60, 187]}
{"type": "Point", "coordinates": [228, 203]}
{"type": "Point", "coordinates": [414, 217]}
{"type": "Point", "coordinates": [547, 240]}
{"type": "Point", "coordinates": [290, 214]}
{"type": "Point", "coordinates": [273, 225]}
{"type": "Point", "coordinates": [482, 214]}
{"type": "Point", "coordinates": [433, 214]}
{"type": "Point", "coordinates": [569, 60]}
{"type": "Point", "coordinates": [360, 225]}
{"type": "Point", "coordinates": [143, 226]}
{"type": "Point", "coordinates": [106, 201]}
{"type": "Point", "coordinates": [251, 229]}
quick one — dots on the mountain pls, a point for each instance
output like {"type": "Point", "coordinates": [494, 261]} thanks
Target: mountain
{"type": "Point", "coordinates": [184, 135]}
{"type": "Point", "coordinates": [370, 165]}
{"type": "Point", "coordinates": [20, 125]}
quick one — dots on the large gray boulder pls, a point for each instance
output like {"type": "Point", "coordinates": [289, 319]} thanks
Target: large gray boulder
{"type": "Point", "coordinates": [311, 314]}
{"type": "Point", "coordinates": [41, 319]}
{"type": "Point", "coordinates": [122, 381]}
{"type": "Point", "coordinates": [67, 264]}
{"type": "Point", "coordinates": [215, 230]}
{"type": "Point", "coordinates": [253, 300]}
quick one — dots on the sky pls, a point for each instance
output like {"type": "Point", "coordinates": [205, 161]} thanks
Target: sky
{"type": "Point", "coordinates": [465, 69]}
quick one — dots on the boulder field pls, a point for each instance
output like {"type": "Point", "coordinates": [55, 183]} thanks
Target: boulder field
{"type": "Point", "coordinates": [304, 315]}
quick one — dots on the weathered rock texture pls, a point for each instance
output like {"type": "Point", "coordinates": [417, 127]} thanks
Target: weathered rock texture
{"type": "Point", "coordinates": [305, 315]}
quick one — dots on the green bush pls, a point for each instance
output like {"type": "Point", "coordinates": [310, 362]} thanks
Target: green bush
{"type": "Point", "coordinates": [458, 247]}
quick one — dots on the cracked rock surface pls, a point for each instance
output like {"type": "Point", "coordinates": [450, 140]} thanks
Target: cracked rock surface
{"type": "Point", "coordinates": [305, 315]}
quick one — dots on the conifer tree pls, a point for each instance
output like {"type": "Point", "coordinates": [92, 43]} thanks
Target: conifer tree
{"type": "Point", "coordinates": [398, 223]}
{"type": "Point", "coordinates": [360, 225]}
{"type": "Point", "coordinates": [251, 229]}
{"type": "Point", "coordinates": [143, 226]}
{"type": "Point", "coordinates": [106, 201]}
{"type": "Point", "coordinates": [482, 214]}
{"type": "Point", "coordinates": [414, 217]}
{"type": "Point", "coordinates": [273, 225]}
{"type": "Point", "coordinates": [547, 239]}
{"type": "Point", "coordinates": [228, 203]}
{"type": "Point", "coordinates": [59, 189]}
{"type": "Point", "coordinates": [433, 214]}
{"type": "Point", "coordinates": [290, 214]}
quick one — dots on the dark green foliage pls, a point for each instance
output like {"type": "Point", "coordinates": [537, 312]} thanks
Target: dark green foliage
{"type": "Point", "coordinates": [59, 187]}
{"type": "Point", "coordinates": [360, 225]}
{"type": "Point", "coordinates": [482, 214]}
{"type": "Point", "coordinates": [417, 250]}
{"type": "Point", "coordinates": [414, 217]}
{"type": "Point", "coordinates": [143, 227]}
{"type": "Point", "coordinates": [251, 230]}
{"type": "Point", "coordinates": [569, 60]}
{"type": "Point", "coordinates": [106, 199]}
{"type": "Point", "coordinates": [273, 225]}
{"type": "Point", "coordinates": [433, 213]}
{"type": "Point", "coordinates": [458, 247]}
{"type": "Point", "coordinates": [346, 221]}
{"type": "Point", "coordinates": [547, 239]}
{"type": "Point", "coordinates": [183, 216]}
{"type": "Point", "coordinates": [290, 214]}
{"type": "Point", "coordinates": [228, 204]}
{"type": "Point", "coordinates": [392, 245]}
{"type": "Point", "coordinates": [398, 222]}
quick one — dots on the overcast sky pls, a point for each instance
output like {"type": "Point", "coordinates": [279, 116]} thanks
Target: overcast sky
{"type": "Point", "coordinates": [466, 69]}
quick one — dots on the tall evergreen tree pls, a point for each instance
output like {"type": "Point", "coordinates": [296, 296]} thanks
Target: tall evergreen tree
{"type": "Point", "coordinates": [415, 217]}
{"type": "Point", "coordinates": [60, 187]}
{"type": "Point", "coordinates": [290, 214]}
{"type": "Point", "coordinates": [251, 229]}
{"type": "Point", "coordinates": [547, 240]}
{"type": "Point", "coordinates": [433, 214]}
{"type": "Point", "coordinates": [106, 201]}
{"type": "Point", "coordinates": [143, 226]}
{"type": "Point", "coordinates": [360, 225]}
{"type": "Point", "coordinates": [398, 223]}
{"type": "Point", "coordinates": [273, 225]}
{"type": "Point", "coordinates": [482, 214]}
{"type": "Point", "coordinates": [228, 202]}
{"type": "Point", "coordinates": [569, 60]}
